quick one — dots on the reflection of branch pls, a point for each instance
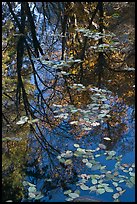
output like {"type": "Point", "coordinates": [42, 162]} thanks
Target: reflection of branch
{"type": "Point", "coordinates": [44, 139]}
{"type": "Point", "coordinates": [82, 54]}
{"type": "Point", "coordinates": [8, 96]}
{"type": "Point", "coordinates": [35, 79]}
{"type": "Point", "coordinates": [5, 118]}
{"type": "Point", "coordinates": [108, 126]}
{"type": "Point", "coordinates": [32, 28]}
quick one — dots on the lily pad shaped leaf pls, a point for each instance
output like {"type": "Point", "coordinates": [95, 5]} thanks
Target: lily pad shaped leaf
{"type": "Point", "coordinates": [119, 189]}
{"type": "Point", "coordinates": [116, 195]}
{"type": "Point", "coordinates": [33, 121]}
{"type": "Point", "coordinates": [85, 160]}
{"type": "Point", "coordinates": [67, 192]}
{"type": "Point", "coordinates": [97, 155]}
{"type": "Point", "coordinates": [100, 190]}
{"type": "Point", "coordinates": [111, 153]}
{"type": "Point", "coordinates": [132, 173]}
{"type": "Point", "coordinates": [108, 189]}
{"type": "Point", "coordinates": [73, 195]}
{"type": "Point", "coordinates": [20, 122]}
{"type": "Point", "coordinates": [132, 179]}
{"type": "Point", "coordinates": [39, 196]}
{"type": "Point", "coordinates": [77, 192]}
{"type": "Point", "coordinates": [84, 187]}
{"type": "Point", "coordinates": [102, 146]}
{"type": "Point", "coordinates": [62, 160]}
{"type": "Point", "coordinates": [115, 184]}
{"type": "Point", "coordinates": [25, 118]}
{"type": "Point", "coordinates": [93, 188]}
{"type": "Point", "coordinates": [31, 195]}
{"type": "Point", "coordinates": [88, 164]}
{"type": "Point", "coordinates": [68, 154]}
{"type": "Point", "coordinates": [94, 181]}
{"type": "Point", "coordinates": [69, 199]}
{"type": "Point", "coordinates": [76, 145]}
{"type": "Point", "coordinates": [32, 189]}
{"type": "Point", "coordinates": [109, 157]}
{"type": "Point", "coordinates": [68, 161]}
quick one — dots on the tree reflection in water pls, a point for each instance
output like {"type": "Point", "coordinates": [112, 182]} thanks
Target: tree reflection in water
{"type": "Point", "coordinates": [70, 88]}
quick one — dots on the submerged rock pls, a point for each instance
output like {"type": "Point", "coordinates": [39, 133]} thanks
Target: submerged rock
{"type": "Point", "coordinates": [85, 199]}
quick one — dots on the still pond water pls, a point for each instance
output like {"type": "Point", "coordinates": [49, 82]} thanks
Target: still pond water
{"type": "Point", "coordinates": [89, 158]}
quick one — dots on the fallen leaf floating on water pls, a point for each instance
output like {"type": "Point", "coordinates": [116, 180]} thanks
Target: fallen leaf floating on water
{"type": "Point", "coordinates": [95, 124]}
{"type": "Point", "coordinates": [76, 145]}
{"type": "Point", "coordinates": [102, 146]}
{"type": "Point", "coordinates": [106, 138]}
{"type": "Point", "coordinates": [22, 120]}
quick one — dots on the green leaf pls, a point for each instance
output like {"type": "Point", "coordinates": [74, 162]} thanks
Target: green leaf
{"type": "Point", "coordinates": [32, 189]}
{"type": "Point", "coordinates": [85, 160]}
{"type": "Point", "coordinates": [69, 199]}
{"type": "Point", "coordinates": [76, 145]}
{"type": "Point", "coordinates": [124, 170]}
{"type": "Point", "coordinates": [39, 196]}
{"type": "Point", "coordinates": [116, 179]}
{"type": "Point", "coordinates": [119, 189]}
{"type": "Point", "coordinates": [87, 128]}
{"type": "Point", "coordinates": [67, 192]}
{"type": "Point", "coordinates": [74, 111]}
{"type": "Point", "coordinates": [74, 122]}
{"type": "Point", "coordinates": [129, 184]}
{"type": "Point", "coordinates": [100, 181]}
{"type": "Point", "coordinates": [95, 176]}
{"type": "Point", "coordinates": [117, 200]}
{"type": "Point", "coordinates": [33, 121]}
{"type": "Point", "coordinates": [115, 184]}
{"type": "Point", "coordinates": [68, 161]}
{"type": "Point", "coordinates": [102, 146]}
{"type": "Point", "coordinates": [62, 160]}
{"type": "Point", "coordinates": [81, 150]}
{"type": "Point", "coordinates": [111, 153]}
{"type": "Point", "coordinates": [84, 187]}
{"type": "Point", "coordinates": [24, 118]}
{"type": "Point", "coordinates": [121, 181]}
{"type": "Point", "coordinates": [68, 154]}
{"type": "Point", "coordinates": [73, 195]}
{"type": "Point", "coordinates": [116, 195]}
{"type": "Point", "coordinates": [109, 157]}
{"type": "Point", "coordinates": [132, 174]}
{"type": "Point", "coordinates": [88, 164]}
{"type": "Point", "coordinates": [20, 122]}
{"type": "Point", "coordinates": [97, 155]}
{"type": "Point", "coordinates": [95, 167]}
{"type": "Point", "coordinates": [94, 181]}
{"type": "Point", "coordinates": [102, 167]}
{"type": "Point", "coordinates": [93, 188]}
{"type": "Point", "coordinates": [100, 190]}
{"type": "Point", "coordinates": [132, 179]}
{"type": "Point", "coordinates": [108, 189]}
{"type": "Point", "coordinates": [77, 192]}
{"type": "Point", "coordinates": [31, 195]}
{"type": "Point", "coordinates": [31, 184]}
